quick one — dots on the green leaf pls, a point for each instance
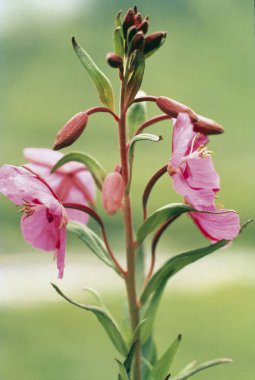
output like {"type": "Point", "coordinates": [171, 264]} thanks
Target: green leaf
{"type": "Point", "coordinates": [175, 264]}
{"type": "Point", "coordinates": [136, 79]}
{"type": "Point", "coordinates": [202, 367]}
{"type": "Point", "coordinates": [149, 355]}
{"type": "Point", "coordinates": [123, 373]}
{"type": "Point", "coordinates": [101, 82]}
{"type": "Point", "coordinates": [188, 367]}
{"type": "Point", "coordinates": [105, 319]}
{"type": "Point", "coordinates": [92, 240]}
{"type": "Point", "coordinates": [140, 267]}
{"type": "Point", "coordinates": [160, 216]}
{"type": "Point", "coordinates": [136, 115]}
{"type": "Point", "coordinates": [118, 40]}
{"type": "Point", "coordinates": [163, 365]}
{"type": "Point", "coordinates": [150, 313]}
{"type": "Point", "coordinates": [95, 168]}
{"type": "Point", "coordinates": [140, 137]}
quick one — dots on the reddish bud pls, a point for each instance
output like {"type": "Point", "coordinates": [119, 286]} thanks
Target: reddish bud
{"type": "Point", "coordinates": [172, 108]}
{"type": "Point", "coordinates": [135, 9]}
{"type": "Point", "coordinates": [144, 26]}
{"type": "Point", "coordinates": [131, 32]}
{"type": "Point", "coordinates": [153, 41]}
{"type": "Point", "coordinates": [128, 21]}
{"type": "Point", "coordinates": [71, 131]}
{"type": "Point", "coordinates": [138, 41]}
{"type": "Point", "coordinates": [138, 19]}
{"type": "Point", "coordinates": [114, 60]}
{"type": "Point", "coordinates": [112, 192]}
{"type": "Point", "coordinates": [207, 126]}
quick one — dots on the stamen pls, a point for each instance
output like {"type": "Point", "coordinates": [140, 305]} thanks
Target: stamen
{"type": "Point", "coordinates": [204, 152]}
{"type": "Point", "coordinates": [193, 142]}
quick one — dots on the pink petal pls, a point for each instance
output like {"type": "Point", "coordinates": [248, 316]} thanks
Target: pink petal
{"type": "Point", "coordinates": [61, 252]}
{"type": "Point", "coordinates": [201, 174]}
{"type": "Point", "coordinates": [183, 135]}
{"type": "Point", "coordinates": [215, 227]}
{"type": "Point", "coordinates": [38, 231]}
{"type": "Point", "coordinates": [21, 186]}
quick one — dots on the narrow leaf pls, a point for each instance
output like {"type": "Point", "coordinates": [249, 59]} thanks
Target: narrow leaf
{"type": "Point", "coordinates": [160, 216]}
{"type": "Point", "coordinates": [136, 115]}
{"type": "Point", "coordinates": [101, 82]}
{"type": "Point", "coordinates": [163, 365]}
{"type": "Point", "coordinates": [140, 267]}
{"type": "Point", "coordinates": [136, 79]}
{"type": "Point", "coordinates": [141, 137]}
{"type": "Point", "coordinates": [95, 168]}
{"type": "Point", "coordinates": [175, 264]}
{"type": "Point", "coordinates": [92, 240]}
{"type": "Point", "coordinates": [149, 355]}
{"type": "Point", "coordinates": [105, 319]}
{"type": "Point", "coordinates": [123, 373]}
{"type": "Point", "coordinates": [118, 41]}
{"type": "Point", "coordinates": [188, 367]}
{"type": "Point", "coordinates": [202, 367]}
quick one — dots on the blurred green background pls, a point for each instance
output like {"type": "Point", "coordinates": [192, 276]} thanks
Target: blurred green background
{"type": "Point", "coordinates": [206, 63]}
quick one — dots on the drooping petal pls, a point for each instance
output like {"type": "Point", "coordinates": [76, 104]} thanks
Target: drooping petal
{"type": "Point", "coordinates": [224, 224]}
{"type": "Point", "coordinates": [20, 186]}
{"type": "Point", "coordinates": [40, 230]}
{"type": "Point", "coordinates": [183, 135]}
{"type": "Point", "coordinates": [42, 156]}
{"type": "Point", "coordinates": [201, 174]}
{"type": "Point", "coordinates": [61, 252]}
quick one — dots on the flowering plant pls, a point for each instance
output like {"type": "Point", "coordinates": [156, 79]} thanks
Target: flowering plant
{"type": "Point", "coordinates": [57, 193]}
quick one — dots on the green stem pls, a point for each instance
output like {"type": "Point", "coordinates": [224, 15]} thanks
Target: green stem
{"type": "Point", "coordinates": [130, 245]}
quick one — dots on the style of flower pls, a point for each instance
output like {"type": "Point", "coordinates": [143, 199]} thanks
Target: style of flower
{"type": "Point", "coordinates": [72, 182]}
{"type": "Point", "coordinates": [195, 178]}
{"type": "Point", "coordinates": [44, 219]}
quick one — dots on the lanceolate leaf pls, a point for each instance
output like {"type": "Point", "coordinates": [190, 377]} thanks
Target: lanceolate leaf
{"type": "Point", "coordinates": [95, 168]}
{"type": "Point", "coordinates": [123, 373]}
{"type": "Point", "coordinates": [136, 115]}
{"type": "Point", "coordinates": [92, 240]}
{"type": "Point", "coordinates": [106, 321]}
{"type": "Point", "coordinates": [202, 367]}
{"type": "Point", "coordinates": [141, 137]}
{"type": "Point", "coordinates": [101, 82]}
{"type": "Point", "coordinates": [136, 79]}
{"type": "Point", "coordinates": [175, 264]}
{"type": "Point", "coordinates": [118, 41]}
{"type": "Point", "coordinates": [163, 365]}
{"type": "Point", "coordinates": [160, 216]}
{"type": "Point", "coordinates": [149, 357]}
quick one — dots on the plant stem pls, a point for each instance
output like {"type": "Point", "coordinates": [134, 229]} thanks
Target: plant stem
{"type": "Point", "coordinates": [130, 246]}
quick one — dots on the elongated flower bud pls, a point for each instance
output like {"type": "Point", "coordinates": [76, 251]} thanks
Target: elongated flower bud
{"type": "Point", "coordinates": [114, 60]}
{"type": "Point", "coordinates": [71, 131]}
{"type": "Point", "coordinates": [173, 108]}
{"type": "Point", "coordinates": [128, 21]}
{"type": "Point", "coordinates": [207, 126]}
{"type": "Point", "coordinates": [153, 41]}
{"type": "Point", "coordinates": [112, 192]}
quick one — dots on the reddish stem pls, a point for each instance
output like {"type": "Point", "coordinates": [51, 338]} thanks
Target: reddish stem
{"type": "Point", "coordinates": [93, 110]}
{"type": "Point", "coordinates": [149, 187]}
{"type": "Point", "coordinates": [146, 99]}
{"type": "Point", "coordinates": [97, 218]}
{"type": "Point", "coordinates": [152, 121]}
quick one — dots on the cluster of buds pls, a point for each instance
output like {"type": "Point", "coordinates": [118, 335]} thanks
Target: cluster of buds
{"type": "Point", "coordinates": [130, 36]}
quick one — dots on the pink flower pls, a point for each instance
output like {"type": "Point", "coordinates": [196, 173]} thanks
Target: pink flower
{"type": "Point", "coordinates": [112, 192]}
{"type": "Point", "coordinates": [44, 218]}
{"type": "Point", "coordinates": [72, 183]}
{"type": "Point", "coordinates": [195, 178]}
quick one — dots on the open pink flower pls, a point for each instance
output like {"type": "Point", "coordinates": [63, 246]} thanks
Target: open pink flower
{"type": "Point", "coordinates": [72, 183]}
{"type": "Point", "coordinates": [195, 178]}
{"type": "Point", "coordinates": [44, 218]}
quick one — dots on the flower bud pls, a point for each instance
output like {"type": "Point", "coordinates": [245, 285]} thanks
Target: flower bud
{"type": "Point", "coordinates": [114, 60]}
{"type": "Point", "coordinates": [138, 19]}
{"type": "Point", "coordinates": [137, 42]}
{"type": "Point", "coordinates": [144, 26]}
{"type": "Point", "coordinates": [112, 192]}
{"type": "Point", "coordinates": [128, 21]}
{"type": "Point", "coordinates": [71, 131]}
{"type": "Point", "coordinates": [173, 108]}
{"type": "Point", "coordinates": [207, 126]}
{"type": "Point", "coordinates": [153, 41]}
{"type": "Point", "coordinates": [131, 32]}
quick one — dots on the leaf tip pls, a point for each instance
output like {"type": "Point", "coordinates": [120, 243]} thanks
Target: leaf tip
{"type": "Point", "coordinates": [179, 337]}
{"type": "Point", "coordinates": [74, 43]}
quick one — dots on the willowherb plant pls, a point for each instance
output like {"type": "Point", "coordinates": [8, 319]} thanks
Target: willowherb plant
{"type": "Point", "coordinates": [57, 193]}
